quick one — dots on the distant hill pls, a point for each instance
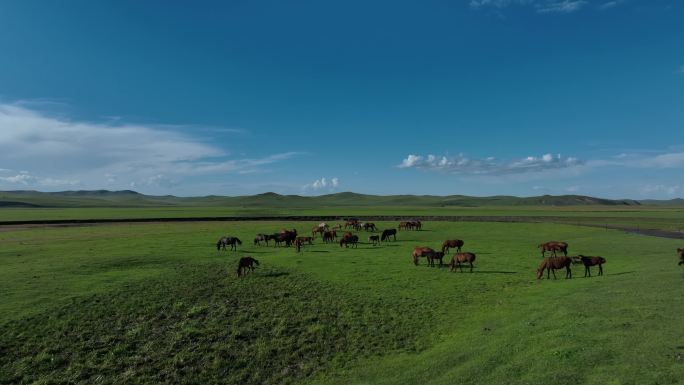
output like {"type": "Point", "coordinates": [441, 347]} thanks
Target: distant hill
{"type": "Point", "coordinates": [127, 198]}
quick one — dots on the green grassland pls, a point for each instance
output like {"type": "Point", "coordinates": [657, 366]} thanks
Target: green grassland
{"type": "Point", "coordinates": [156, 303]}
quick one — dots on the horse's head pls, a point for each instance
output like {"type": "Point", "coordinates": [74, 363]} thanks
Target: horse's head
{"type": "Point", "coordinates": [239, 242]}
{"type": "Point", "coordinates": [539, 273]}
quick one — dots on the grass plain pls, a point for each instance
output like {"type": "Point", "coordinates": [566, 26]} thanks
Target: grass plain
{"type": "Point", "coordinates": [155, 302]}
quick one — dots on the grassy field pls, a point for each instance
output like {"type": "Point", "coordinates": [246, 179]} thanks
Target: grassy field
{"type": "Point", "coordinates": [151, 303]}
{"type": "Point", "coordinates": [643, 217]}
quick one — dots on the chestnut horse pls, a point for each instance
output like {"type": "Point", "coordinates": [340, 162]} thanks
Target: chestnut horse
{"type": "Point", "coordinates": [318, 230]}
{"type": "Point", "coordinates": [387, 233]}
{"type": "Point", "coordinates": [680, 252]}
{"type": "Point", "coordinates": [449, 243]}
{"type": "Point", "coordinates": [459, 258]}
{"type": "Point", "coordinates": [554, 246]}
{"type": "Point", "coordinates": [588, 262]}
{"type": "Point", "coordinates": [551, 264]}
{"type": "Point", "coordinates": [421, 252]}
{"type": "Point", "coordinates": [245, 265]}
{"type": "Point", "coordinates": [232, 241]}
{"type": "Point", "coordinates": [434, 256]}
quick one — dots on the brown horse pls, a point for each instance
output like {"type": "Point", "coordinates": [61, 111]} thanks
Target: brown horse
{"type": "Point", "coordinates": [318, 230]}
{"type": "Point", "coordinates": [328, 236]}
{"type": "Point", "coordinates": [351, 222]}
{"type": "Point", "coordinates": [298, 243]}
{"type": "Point", "coordinates": [434, 256]}
{"type": "Point", "coordinates": [232, 241]}
{"type": "Point", "coordinates": [308, 240]}
{"type": "Point", "coordinates": [388, 233]}
{"type": "Point", "coordinates": [449, 243]}
{"type": "Point", "coordinates": [370, 226]}
{"type": "Point", "coordinates": [460, 258]}
{"type": "Point", "coordinates": [245, 265]}
{"type": "Point", "coordinates": [351, 240]}
{"type": "Point", "coordinates": [261, 238]}
{"type": "Point", "coordinates": [680, 252]}
{"type": "Point", "coordinates": [551, 264]}
{"type": "Point", "coordinates": [374, 239]}
{"type": "Point", "coordinates": [588, 262]}
{"type": "Point", "coordinates": [420, 252]}
{"type": "Point", "coordinates": [554, 246]}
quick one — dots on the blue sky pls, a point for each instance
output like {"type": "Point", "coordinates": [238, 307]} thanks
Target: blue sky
{"type": "Point", "coordinates": [481, 97]}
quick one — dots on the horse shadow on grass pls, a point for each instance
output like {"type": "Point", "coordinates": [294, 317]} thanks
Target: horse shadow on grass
{"type": "Point", "coordinates": [272, 274]}
{"type": "Point", "coordinates": [622, 273]}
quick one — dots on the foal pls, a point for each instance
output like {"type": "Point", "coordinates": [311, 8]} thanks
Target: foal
{"type": "Point", "coordinates": [592, 261]}
{"type": "Point", "coordinates": [374, 239]}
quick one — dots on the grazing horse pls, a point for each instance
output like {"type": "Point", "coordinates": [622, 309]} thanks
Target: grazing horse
{"type": "Point", "coordinates": [680, 252]}
{"type": "Point", "coordinates": [245, 265]}
{"type": "Point", "coordinates": [403, 225]}
{"type": "Point", "coordinates": [459, 258]}
{"type": "Point", "coordinates": [328, 236]}
{"type": "Point", "coordinates": [374, 239]}
{"type": "Point", "coordinates": [449, 243]}
{"type": "Point", "coordinates": [308, 240]}
{"type": "Point", "coordinates": [387, 233]}
{"type": "Point", "coordinates": [370, 226]}
{"type": "Point", "coordinates": [261, 238]}
{"type": "Point", "coordinates": [351, 240]}
{"type": "Point", "coordinates": [232, 241]}
{"type": "Point", "coordinates": [551, 264]}
{"type": "Point", "coordinates": [592, 261]}
{"type": "Point", "coordinates": [554, 246]}
{"type": "Point", "coordinates": [286, 236]}
{"type": "Point", "coordinates": [351, 222]}
{"type": "Point", "coordinates": [421, 252]}
{"type": "Point", "coordinates": [434, 256]}
{"type": "Point", "coordinates": [298, 243]}
{"type": "Point", "coordinates": [318, 230]}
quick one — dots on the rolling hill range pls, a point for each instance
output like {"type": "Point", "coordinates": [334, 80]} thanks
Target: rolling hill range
{"type": "Point", "coordinates": [127, 198]}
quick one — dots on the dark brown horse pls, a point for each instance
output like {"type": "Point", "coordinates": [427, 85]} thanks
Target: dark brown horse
{"type": "Point", "coordinates": [460, 258]}
{"type": "Point", "coordinates": [551, 264]}
{"type": "Point", "coordinates": [388, 233]}
{"type": "Point", "coordinates": [370, 226]}
{"type": "Point", "coordinates": [420, 252]}
{"type": "Point", "coordinates": [350, 240]}
{"type": "Point", "coordinates": [437, 255]}
{"type": "Point", "coordinates": [588, 262]}
{"type": "Point", "coordinates": [449, 243]}
{"type": "Point", "coordinates": [328, 236]}
{"type": "Point", "coordinates": [680, 252]}
{"type": "Point", "coordinates": [553, 246]}
{"type": "Point", "coordinates": [232, 241]}
{"type": "Point", "coordinates": [245, 265]}
{"type": "Point", "coordinates": [374, 239]}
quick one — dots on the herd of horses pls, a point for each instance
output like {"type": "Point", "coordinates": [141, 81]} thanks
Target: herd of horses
{"type": "Point", "coordinates": [329, 235]}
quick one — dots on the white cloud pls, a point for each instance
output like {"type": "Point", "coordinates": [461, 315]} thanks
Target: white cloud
{"type": "Point", "coordinates": [659, 190]}
{"type": "Point", "coordinates": [540, 6]}
{"type": "Point", "coordinates": [610, 4]}
{"type": "Point", "coordinates": [58, 151]}
{"type": "Point", "coordinates": [488, 166]}
{"type": "Point", "coordinates": [322, 184]}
